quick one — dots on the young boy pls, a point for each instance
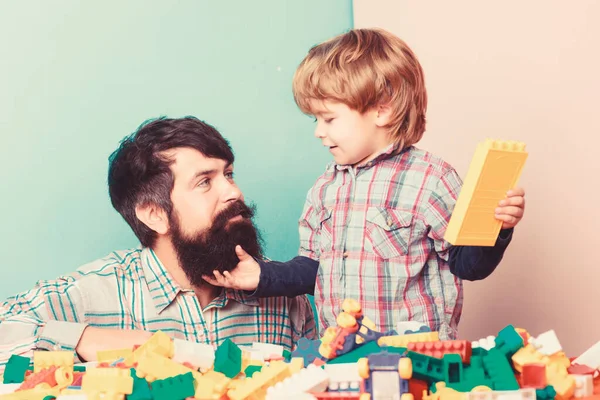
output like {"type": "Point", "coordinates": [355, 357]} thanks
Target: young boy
{"type": "Point", "coordinates": [373, 224]}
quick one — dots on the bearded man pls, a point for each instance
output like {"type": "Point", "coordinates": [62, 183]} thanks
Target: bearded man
{"type": "Point", "coordinates": [172, 181]}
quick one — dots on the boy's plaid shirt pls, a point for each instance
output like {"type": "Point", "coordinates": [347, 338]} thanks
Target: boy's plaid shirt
{"type": "Point", "coordinates": [377, 232]}
{"type": "Point", "coordinates": [132, 290]}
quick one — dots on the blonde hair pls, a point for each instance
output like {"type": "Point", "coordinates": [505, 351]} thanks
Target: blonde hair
{"type": "Point", "coordinates": [366, 68]}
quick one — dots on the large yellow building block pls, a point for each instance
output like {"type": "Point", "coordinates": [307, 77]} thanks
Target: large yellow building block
{"type": "Point", "coordinates": [495, 169]}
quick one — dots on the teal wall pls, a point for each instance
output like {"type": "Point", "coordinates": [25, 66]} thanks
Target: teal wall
{"type": "Point", "coordinates": [76, 78]}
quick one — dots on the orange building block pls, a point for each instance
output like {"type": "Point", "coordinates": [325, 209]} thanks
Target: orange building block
{"type": "Point", "coordinates": [439, 348]}
{"type": "Point", "coordinates": [495, 169]}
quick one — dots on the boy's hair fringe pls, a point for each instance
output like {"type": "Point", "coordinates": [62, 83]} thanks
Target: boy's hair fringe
{"type": "Point", "coordinates": [364, 69]}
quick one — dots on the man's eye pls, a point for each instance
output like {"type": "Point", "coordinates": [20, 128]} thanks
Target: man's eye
{"type": "Point", "coordinates": [204, 183]}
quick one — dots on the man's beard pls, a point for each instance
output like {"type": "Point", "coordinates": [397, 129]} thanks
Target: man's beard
{"type": "Point", "coordinates": [214, 248]}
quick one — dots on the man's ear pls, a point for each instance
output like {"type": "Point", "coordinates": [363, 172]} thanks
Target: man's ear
{"type": "Point", "coordinates": [383, 116]}
{"type": "Point", "coordinates": [154, 217]}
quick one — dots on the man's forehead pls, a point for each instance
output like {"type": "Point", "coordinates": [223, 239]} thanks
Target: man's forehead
{"type": "Point", "coordinates": [188, 162]}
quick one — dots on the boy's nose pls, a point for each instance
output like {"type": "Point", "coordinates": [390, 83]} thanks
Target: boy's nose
{"type": "Point", "coordinates": [320, 132]}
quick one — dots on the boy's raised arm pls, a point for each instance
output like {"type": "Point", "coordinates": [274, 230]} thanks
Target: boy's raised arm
{"type": "Point", "coordinates": [297, 276]}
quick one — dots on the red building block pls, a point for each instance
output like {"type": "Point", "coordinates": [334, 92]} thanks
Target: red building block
{"type": "Point", "coordinates": [416, 387]}
{"type": "Point", "coordinates": [439, 348]}
{"type": "Point", "coordinates": [534, 376]}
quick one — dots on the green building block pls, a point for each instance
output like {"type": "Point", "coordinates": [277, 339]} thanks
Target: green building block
{"type": "Point", "coordinates": [508, 341]}
{"type": "Point", "coordinates": [547, 393]}
{"type": "Point", "coordinates": [79, 368]}
{"type": "Point", "coordinates": [15, 369]}
{"type": "Point", "coordinates": [354, 355]}
{"type": "Point", "coordinates": [228, 359]}
{"type": "Point", "coordinates": [178, 387]}
{"type": "Point", "coordinates": [251, 369]}
{"type": "Point", "coordinates": [287, 355]}
{"type": "Point", "coordinates": [426, 368]}
{"type": "Point", "coordinates": [500, 371]}
{"type": "Point", "coordinates": [141, 389]}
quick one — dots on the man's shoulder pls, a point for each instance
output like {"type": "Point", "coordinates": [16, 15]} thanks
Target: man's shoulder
{"type": "Point", "coordinates": [115, 264]}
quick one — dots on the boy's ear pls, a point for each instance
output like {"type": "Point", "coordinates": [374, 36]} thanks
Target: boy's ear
{"type": "Point", "coordinates": [154, 217]}
{"type": "Point", "coordinates": [383, 115]}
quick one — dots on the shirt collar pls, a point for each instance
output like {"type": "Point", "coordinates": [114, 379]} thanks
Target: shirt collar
{"type": "Point", "coordinates": [164, 289]}
{"type": "Point", "coordinates": [388, 152]}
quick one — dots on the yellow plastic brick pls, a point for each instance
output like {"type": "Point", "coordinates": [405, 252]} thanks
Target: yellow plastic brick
{"type": "Point", "coordinates": [211, 386]}
{"type": "Point", "coordinates": [113, 355]}
{"type": "Point", "coordinates": [495, 169]}
{"type": "Point", "coordinates": [160, 343]}
{"type": "Point", "coordinates": [47, 359]}
{"type": "Point", "coordinates": [255, 388]}
{"type": "Point", "coordinates": [403, 340]}
{"type": "Point", "coordinates": [107, 382]}
{"type": "Point", "coordinates": [528, 355]}
{"type": "Point", "coordinates": [153, 366]}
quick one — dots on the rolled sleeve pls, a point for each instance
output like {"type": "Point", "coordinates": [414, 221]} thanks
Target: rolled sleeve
{"type": "Point", "coordinates": [60, 335]}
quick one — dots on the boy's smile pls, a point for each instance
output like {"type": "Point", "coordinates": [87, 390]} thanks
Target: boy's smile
{"type": "Point", "coordinates": [352, 138]}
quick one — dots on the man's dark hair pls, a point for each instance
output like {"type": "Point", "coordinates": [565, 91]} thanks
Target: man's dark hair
{"type": "Point", "coordinates": [139, 172]}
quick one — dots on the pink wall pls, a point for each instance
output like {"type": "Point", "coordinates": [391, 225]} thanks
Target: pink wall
{"type": "Point", "coordinates": [527, 71]}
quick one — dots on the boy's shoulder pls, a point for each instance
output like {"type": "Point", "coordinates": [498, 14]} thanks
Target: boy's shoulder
{"type": "Point", "coordinates": [418, 159]}
{"type": "Point", "coordinates": [411, 160]}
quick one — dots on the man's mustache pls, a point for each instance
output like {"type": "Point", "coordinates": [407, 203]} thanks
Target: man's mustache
{"type": "Point", "coordinates": [238, 208]}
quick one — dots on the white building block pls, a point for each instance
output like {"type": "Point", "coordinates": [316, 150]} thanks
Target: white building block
{"type": "Point", "coordinates": [198, 354]}
{"type": "Point", "coordinates": [268, 349]}
{"type": "Point", "coordinates": [486, 343]}
{"type": "Point", "coordinates": [521, 394]}
{"type": "Point", "coordinates": [546, 343]}
{"type": "Point", "coordinates": [6, 388]}
{"type": "Point", "coordinates": [309, 379]}
{"type": "Point", "coordinates": [343, 376]}
{"type": "Point", "coordinates": [591, 357]}
{"type": "Point", "coordinates": [584, 385]}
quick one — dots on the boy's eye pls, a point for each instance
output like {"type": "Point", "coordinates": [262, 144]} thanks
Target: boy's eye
{"type": "Point", "coordinates": [328, 120]}
{"type": "Point", "coordinates": [229, 175]}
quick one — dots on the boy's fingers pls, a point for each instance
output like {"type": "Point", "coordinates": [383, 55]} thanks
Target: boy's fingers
{"type": "Point", "coordinates": [511, 211]}
{"type": "Point", "coordinates": [516, 192]}
{"type": "Point", "coordinates": [211, 280]}
{"type": "Point", "coordinates": [509, 219]}
{"type": "Point", "coordinates": [241, 253]}
{"type": "Point", "coordinates": [518, 201]}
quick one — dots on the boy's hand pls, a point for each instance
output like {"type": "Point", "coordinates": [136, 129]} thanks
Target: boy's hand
{"type": "Point", "coordinates": [510, 210]}
{"type": "Point", "coordinates": [244, 276]}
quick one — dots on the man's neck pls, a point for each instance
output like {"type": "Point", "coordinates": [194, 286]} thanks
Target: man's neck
{"type": "Point", "coordinates": [167, 256]}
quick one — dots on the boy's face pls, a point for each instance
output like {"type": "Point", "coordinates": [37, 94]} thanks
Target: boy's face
{"type": "Point", "coordinates": [353, 138]}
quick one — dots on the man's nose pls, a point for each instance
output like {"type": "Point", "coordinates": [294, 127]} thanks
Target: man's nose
{"type": "Point", "coordinates": [232, 192]}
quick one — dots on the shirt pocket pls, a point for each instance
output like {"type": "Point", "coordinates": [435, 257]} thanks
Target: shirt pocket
{"type": "Point", "coordinates": [389, 231]}
{"type": "Point", "coordinates": [325, 230]}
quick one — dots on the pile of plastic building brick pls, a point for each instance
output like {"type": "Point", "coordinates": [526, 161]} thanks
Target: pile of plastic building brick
{"type": "Point", "coordinates": [351, 361]}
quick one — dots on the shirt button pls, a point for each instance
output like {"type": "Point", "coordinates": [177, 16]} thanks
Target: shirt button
{"type": "Point", "coordinates": [56, 347]}
{"type": "Point", "coordinates": [345, 255]}
{"type": "Point", "coordinates": [390, 221]}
